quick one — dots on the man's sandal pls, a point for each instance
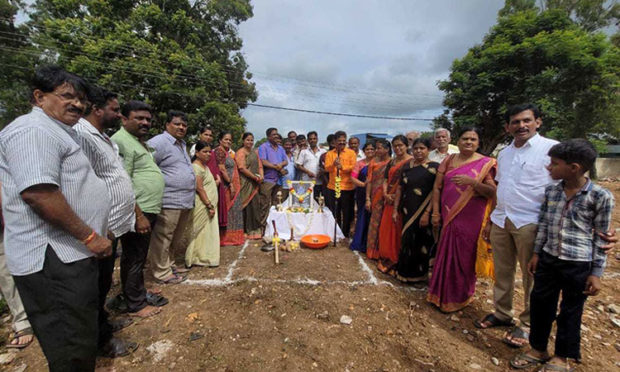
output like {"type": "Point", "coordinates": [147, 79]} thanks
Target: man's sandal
{"type": "Point", "coordinates": [491, 321]}
{"type": "Point", "coordinates": [17, 335]}
{"type": "Point", "coordinates": [556, 368]}
{"type": "Point", "coordinates": [524, 361]}
{"type": "Point", "coordinates": [517, 333]}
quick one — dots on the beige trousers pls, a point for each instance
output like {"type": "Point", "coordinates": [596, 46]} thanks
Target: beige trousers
{"type": "Point", "coordinates": [10, 294]}
{"type": "Point", "coordinates": [167, 240]}
{"type": "Point", "coordinates": [512, 245]}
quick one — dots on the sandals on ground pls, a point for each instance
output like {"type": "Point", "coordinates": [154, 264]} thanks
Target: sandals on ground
{"type": "Point", "coordinates": [524, 361]}
{"type": "Point", "coordinates": [493, 321]}
{"type": "Point", "coordinates": [15, 336]}
{"type": "Point", "coordinates": [517, 333]}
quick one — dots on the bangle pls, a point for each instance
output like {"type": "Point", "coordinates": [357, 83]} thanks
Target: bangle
{"type": "Point", "coordinates": [435, 215]}
{"type": "Point", "coordinates": [89, 238]}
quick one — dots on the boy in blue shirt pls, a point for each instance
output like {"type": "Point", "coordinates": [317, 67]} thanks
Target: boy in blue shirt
{"type": "Point", "coordinates": [568, 255]}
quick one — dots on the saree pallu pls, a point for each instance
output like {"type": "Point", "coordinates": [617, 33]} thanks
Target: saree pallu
{"type": "Point", "coordinates": [453, 282]}
{"type": "Point", "coordinates": [250, 201]}
{"type": "Point", "coordinates": [416, 242]}
{"type": "Point", "coordinates": [204, 246]}
{"type": "Point", "coordinates": [232, 234]}
{"type": "Point", "coordinates": [390, 231]}
{"type": "Point", "coordinates": [361, 225]}
{"type": "Point", "coordinates": [375, 176]}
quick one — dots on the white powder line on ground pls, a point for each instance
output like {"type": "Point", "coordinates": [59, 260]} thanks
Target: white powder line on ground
{"type": "Point", "coordinates": [610, 275]}
{"type": "Point", "coordinates": [233, 265]}
{"type": "Point", "coordinates": [372, 279]}
{"type": "Point", "coordinates": [300, 281]}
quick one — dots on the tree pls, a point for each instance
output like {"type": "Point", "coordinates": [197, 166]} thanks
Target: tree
{"type": "Point", "coordinates": [16, 64]}
{"type": "Point", "coordinates": [542, 57]}
{"type": "Point", "coordinates": [174, 54]}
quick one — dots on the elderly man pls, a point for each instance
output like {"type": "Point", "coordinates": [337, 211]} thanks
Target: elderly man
{"type": "Point", "coordinates": [354, 144]}
{"type": "Point", "coordinates": [411, 137]}
{"type": "Point", "coordinates": [148, 186]}
{"type": "Point", "coordinates": [441, 136]}
{"type": "Point", "coordinates": [103, 155]}
{"type": "Point", "coordinates": [56, 213]}
{"type": "Point", "coordinates": [340, 162]}
{"type": "Point", "coordinates": [179, 194]}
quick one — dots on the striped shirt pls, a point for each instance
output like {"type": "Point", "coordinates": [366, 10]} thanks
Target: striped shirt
{"type": "Point", "coordinates": [107, 164]}
{"type": "Point", "coordinates": [567, 227]}
{"type": "Point", "coordinates": [174, 162]}
{"type": "Point", "coordinates": [36, 149]}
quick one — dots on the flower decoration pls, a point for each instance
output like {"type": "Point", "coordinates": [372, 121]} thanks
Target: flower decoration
{"type": "Point", "coordinates": [337, 187]}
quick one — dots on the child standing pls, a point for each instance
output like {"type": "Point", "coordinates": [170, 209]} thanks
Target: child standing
{"type": "Point", "coordinates": [567, 255]}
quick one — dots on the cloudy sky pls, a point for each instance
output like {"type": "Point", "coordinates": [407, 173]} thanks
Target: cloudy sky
{"type": "Point", "coordinates": [366, 57]}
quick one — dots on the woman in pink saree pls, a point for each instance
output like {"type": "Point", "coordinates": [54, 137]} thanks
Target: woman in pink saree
{"type": "Point", "coordinates": [465, 185]}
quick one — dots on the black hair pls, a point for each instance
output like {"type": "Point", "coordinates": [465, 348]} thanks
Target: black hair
{"type": "Point", "coordinates": [340, 133]}
{"type": "Point", "coordinates": [358, 140]}
{"type": "Point", "coordinates": [222, 134]}
{"type": "Point", "coordinates": [246, 135]}
{"type": "Point", "coordinates": [269, 131]}
{"type": "Point", "coordinates": [471, 129]}
{"type": "Point", "coordinates": [311, 133]}
{"type": "Point", "coordinates": [385, 144]}
{"type": "Point", "coordinates": [98, 98]}
{"type": "Point", "coordinates": [425, 141]}
{"type": "Point", "coordinates": [175, 114]}
{"type": "Point", "coordinates": [576, 150]}
{"type": "Point", "coordinates": [199, 146]}
{"type": "Point", "coordinates": [330, 137]}
{"type": "Point", "coordinates": [300, 137]}
{"type": "Point", "coordinates": [205, 128]}
{"type": "Point", "coordinates": [286, 140]}
{"type": "Point", "coordinates": [515, 109]}
{"type": "Point", "coordinates": [369, 143]}
{"type": "Point", "coordinates": [130, 106]}
{"type": "Point", "coordinates": [289, 133]}
{"type": "Point", "coordinates": [401, 138]}
{"type": "Point", "coordinates": [280, 136]}
{"type": "Point", "coordinates": [48, 78]}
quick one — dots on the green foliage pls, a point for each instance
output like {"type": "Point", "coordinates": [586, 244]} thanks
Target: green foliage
{"type": "Point", "coordinates": [541, 57]}
{"type": "Point", "coordinates": [178, 54]}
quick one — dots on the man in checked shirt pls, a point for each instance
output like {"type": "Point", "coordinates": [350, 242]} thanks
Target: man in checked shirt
{"type": "Point", "coordinates": [568, 255]}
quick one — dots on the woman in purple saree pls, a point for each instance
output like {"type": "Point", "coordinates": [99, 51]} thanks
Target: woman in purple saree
{"type": "Point", "coordinates": [465, 185]}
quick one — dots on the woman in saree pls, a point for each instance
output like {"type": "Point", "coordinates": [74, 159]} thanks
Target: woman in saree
{"type": "Point", "coordinates": [374, 195]}
{"type": "Point", "coordinates": [413, 198]}
{"type": "Point", "coordinates": [463, 189]}
{"type": "Point", "coordinates": [251, 175]}
{"type": "Point", "coordinates": [390, 228]}
{"type": "Point", "coordinates": [359, 175]}
{"type": "Point", "coordinates": [204, 247]}
{"type": "Point", "coordinates": [232, 232]}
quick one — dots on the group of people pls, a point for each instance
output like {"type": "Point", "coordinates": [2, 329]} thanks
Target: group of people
{"type": "Point", "coordinates": [424, 209]}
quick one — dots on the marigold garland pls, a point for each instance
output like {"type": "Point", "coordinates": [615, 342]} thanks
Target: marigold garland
{"type": "Point", "coordinates": [337, 187]}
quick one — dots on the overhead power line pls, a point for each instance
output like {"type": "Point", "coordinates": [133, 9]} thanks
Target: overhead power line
{"type": "Point", "coordinates": [338, 113]}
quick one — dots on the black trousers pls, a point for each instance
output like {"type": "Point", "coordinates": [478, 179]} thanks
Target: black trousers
{"type": "Point", "coordinates": [552, 277]}
{"type": "Point", "coordinates": [106, 269]}
{"type": "Point", "coordinates": [61, 302]}
{"type": "Point", "coordinates": [133, 259]}
{"type": "Point", "coordinates": [344, 212]}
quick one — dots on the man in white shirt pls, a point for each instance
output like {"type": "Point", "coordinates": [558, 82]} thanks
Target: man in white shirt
{"type": "Point", "coordinates": [354, 144]}
{"type": "Point", "coordinates": [307, 163]}
{"type": "Point", "coordinates": [444, 148]}
{"type": "Point", "coordinates": [522, 177]}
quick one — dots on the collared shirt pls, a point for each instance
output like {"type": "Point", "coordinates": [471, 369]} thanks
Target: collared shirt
{"type": "Point", "coordinates": [36, 149]}
{"type": "Point", "coordinates": [174, 162]}
{"type": "Point", "coordinates": [290, 167]}
{"type": "Point", "coordinates": [273, 155]}
{"type": "Point", "coordinates": [522, 177]}
{"type": "Point", "coordinates": [146, 178]}
{"type": "Point", "coordinates": [567, 228]}
{"type": "Point", "coordinates": [438, 157]}
{"type": "Point", "coordinates": [348, 158]}
{"type": "Point", "coordinates": [310, 160]}
{"type": "Point", "coordinates": [107, 164]}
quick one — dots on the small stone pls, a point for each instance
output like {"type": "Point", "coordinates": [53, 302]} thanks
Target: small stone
{"type": "Point", "coordinates": [323, 316]}
{"type": "Point", "coordinates": [475, 366]}
{"type": "Point", "coordinates": [600, 308]}
{"type": "Point", "coordinates": [195, 336]}
{"type": "Point", "coordinates": [613, 308]}
{"type": "Point", "coordinates": [454, 318]}
{"type": "Point", "coordinates": [470, 338]}
{"type": "Point", "coordinates": [615, 321]}
{"type": "Point", "coordinates": [465, 331]}
{"type": "Point", "coordinates": [597, 336]}
{"type": "Point", "coordinates": [345, 319]}
{"type": "Point", "coordinates": [487, 345]}
{"type": "Point", "coordinates": [172, 365]}
{"type": "Point", "coordinates": [286, 340]}
{"type": "Point", "coordinates": [584, 328]}
{"type": "Point", "coordinates": [617, 345]}
{"type": "Point", "coordinates": [495, 361]}
{"type": "Point", "coordinates": [7, 358]}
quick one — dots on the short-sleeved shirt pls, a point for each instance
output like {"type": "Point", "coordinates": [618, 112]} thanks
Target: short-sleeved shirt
{"type": "Point", "coordinates": [173, 160]}
{"type": "Point", "coordinates": [310, 160]}
{"type": "Point", "coordinates": [438, 157]}
{"type": "Point", "coordinates": [36, 149]}
{"type": "Point", "coordinates": [290, 176]}
{"type": "Point", "coordinates": [107, 164]}
{"type": "Point", "coordinates": [146, 178]}
{"type": "Point", "coordinates": [274, 156]}
{"type": "Point", "coordinates": [522, 177]}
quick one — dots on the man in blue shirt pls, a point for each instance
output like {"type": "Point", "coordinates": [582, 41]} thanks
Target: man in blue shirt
{"type": "Point", "coordinates": [274, 161]}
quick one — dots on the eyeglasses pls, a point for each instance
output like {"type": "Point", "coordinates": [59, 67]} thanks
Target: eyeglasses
{"type": "Point", "coordinates": [68, 97]}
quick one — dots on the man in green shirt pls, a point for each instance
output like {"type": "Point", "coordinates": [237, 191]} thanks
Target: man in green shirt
{"type": "Point", "coordinates": [148, 185]}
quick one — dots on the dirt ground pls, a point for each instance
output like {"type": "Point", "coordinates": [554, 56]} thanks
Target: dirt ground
{"type": "Point", "coordinates": [251, 315]}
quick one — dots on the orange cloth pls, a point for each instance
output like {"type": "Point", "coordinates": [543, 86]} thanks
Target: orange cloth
{"type": "Point", "coordinates": [348, 158]}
